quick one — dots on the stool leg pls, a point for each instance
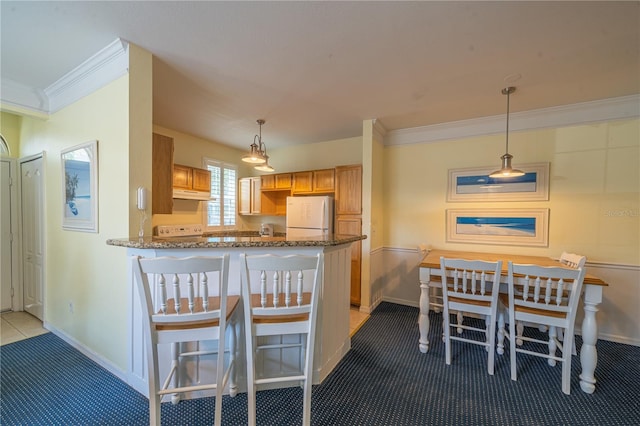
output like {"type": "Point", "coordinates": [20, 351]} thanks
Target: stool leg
{"type": "Point", "coordinates": [175, 367]}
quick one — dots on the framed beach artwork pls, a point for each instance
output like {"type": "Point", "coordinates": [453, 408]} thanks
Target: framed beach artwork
{"type": "Point", "coordinates": [521, 227]}
{"type": "Point", "coordinates": [474, 184]}
{"type": "Point", "coordinates": [80, 187]}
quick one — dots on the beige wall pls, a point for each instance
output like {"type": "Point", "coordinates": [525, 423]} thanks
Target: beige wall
{"type": "Point", "coordinates": [80, 268]}
{"type": "Point", "coordinates": [594, 208]}
{"type": "Point", "coordinates": [321, 155]}
{"type": "Point", "coordinates": [10, 129]}
{"type": "Point", "coordinates": [594, 189]}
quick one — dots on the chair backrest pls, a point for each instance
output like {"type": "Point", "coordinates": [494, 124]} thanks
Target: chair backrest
{"type": "Point", "coordinates": [573, 260]}
{"type": "Point", "coordinates": [199, 283]}
{"type": "Point", "coordinates": [281, 285]}
{"type": "Point", "coordinates": [470, 279]}
{"type": "Point", "coordinates": [555, 290]}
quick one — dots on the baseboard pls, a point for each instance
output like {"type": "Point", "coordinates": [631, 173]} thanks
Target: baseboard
{"type": "Point", "coordinates": [601, 336]}
{"type": "Point", "coordinates": [93, 356]}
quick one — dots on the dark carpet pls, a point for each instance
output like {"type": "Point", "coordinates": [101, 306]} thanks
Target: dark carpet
{"type": "Point", "coordinates": [383, 380]}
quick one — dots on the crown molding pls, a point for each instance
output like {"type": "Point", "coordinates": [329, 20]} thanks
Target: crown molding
{"type": "Point", "coordinates": [99, 70]}
{"type": "Point", "coordinates": [21, 99]}
{"type": "Point", "coordinates": [566, 115]}
{"type": "Point", "coordinates": [378, 129]}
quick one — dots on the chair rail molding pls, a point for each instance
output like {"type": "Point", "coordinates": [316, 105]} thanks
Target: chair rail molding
{"type": "Point", "coordinates": [620, 108]}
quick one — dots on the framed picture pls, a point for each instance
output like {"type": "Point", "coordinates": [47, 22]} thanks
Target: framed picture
{"type": "Point", "coordinates": [521, 227]}
{"type": "Point", "coordinates": [475, 184]}
{"type": "Point", "coordinates": [80, 187]}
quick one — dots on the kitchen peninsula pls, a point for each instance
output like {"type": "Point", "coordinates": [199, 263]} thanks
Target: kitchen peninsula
{"type": "Point", "coordinates": [332, 340]}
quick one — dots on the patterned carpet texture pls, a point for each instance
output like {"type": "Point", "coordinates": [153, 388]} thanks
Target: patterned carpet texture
{"type": "Point", "coordinates": [383, 380]}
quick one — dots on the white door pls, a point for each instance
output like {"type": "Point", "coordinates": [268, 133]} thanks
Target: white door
{"type": "Point", "coordinates": [6, 238]}
{"type": "Point", "coordinates": [32, 204]}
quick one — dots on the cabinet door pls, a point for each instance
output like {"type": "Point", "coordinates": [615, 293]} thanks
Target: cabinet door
{"type": "Point", "coordinates": [182, 177]}
{"type": "Point", "coordinates": [323, 180]}
{"type": "Point", "coordinates": [201, 180]}
{"type": "Point", "coordinates": [161, 179]}
{"type": "Point", "coordinates": [255, 195]}
{"type": "Point", "coordinates": [349, 189]}
{"type": "Point", "coordinates": [302, 182]}
{"type": "Point", "coordinates": [268, 182]}
{"type": "Point", "coordinates": [353, 226]}
{"type": "Point", "coordinates": [244, 196]}
{"type": "Point", "coordinates": [283, 181]}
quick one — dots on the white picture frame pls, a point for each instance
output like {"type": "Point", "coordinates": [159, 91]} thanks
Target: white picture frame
{"type": "Point", "coordinates": [517, 227]}
{"type": "Point", "coordinates": [79, 166]}
{"type": "Point", "coordinates": [474, 184]}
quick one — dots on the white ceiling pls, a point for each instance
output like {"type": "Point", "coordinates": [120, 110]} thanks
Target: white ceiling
{"type": "Point", "coordinates": [315, 70]}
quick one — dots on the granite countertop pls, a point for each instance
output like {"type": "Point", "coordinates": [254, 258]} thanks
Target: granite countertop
{"type": "Point", "coordinates": [234, 239]}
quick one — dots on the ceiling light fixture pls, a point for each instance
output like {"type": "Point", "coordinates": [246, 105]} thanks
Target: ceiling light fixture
{"type": "Point", "coordinates": [506, 171]}
{"type": "Point", "coordinates": [257, 150]}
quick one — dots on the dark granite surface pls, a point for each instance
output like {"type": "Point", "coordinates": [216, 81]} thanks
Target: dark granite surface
{"type": "Point", "coordinates": [234, 239]}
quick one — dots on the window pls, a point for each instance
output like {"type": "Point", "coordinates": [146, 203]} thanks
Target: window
{"type": "Point", "coordinates": [221, 212]}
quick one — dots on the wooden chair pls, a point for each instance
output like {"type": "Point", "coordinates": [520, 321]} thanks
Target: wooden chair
{"type": "Point", "coordinates": [574, 261]}
{"type": "Point", "coordinates": [280, 298]}
{"type": "Point", "coordinates": [546, 296]}
{"type": "Point", "coordinates": [203, 312]}
{"type": "Point", "coordinates": [471, 286]}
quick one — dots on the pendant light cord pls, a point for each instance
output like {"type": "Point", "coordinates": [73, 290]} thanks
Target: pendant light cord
{"type": "Point", "coordinates": [507, 136]}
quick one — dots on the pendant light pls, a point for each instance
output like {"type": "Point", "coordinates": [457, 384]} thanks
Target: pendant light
{"type": "Point", "coordinates": [262, 147]}
{"type": "Point", "coordinates": [506, 171]}
{"type": "Point", "coordinates": [256, 153]}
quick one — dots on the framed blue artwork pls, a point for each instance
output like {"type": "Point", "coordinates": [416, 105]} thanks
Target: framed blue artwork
{"type": "Point", "coordinates": [523, 227]}
{"type": "Point", "coordinates": [474, 184]}
{"type": "Point", "coordinates": [80, 187]}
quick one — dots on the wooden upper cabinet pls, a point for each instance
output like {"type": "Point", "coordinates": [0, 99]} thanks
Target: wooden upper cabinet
{"type": "Point", "coordinates": [302, 182]}
{"type": "Point", "coordinates": [313, 182]}
{"type": "Point", "coordinates": [268, 182]}
{"type": "Point", "coordinates": [201, 180]}
{"type": "Point", "coordinates": [281, 181]}
{"type": "Point", "coordinates": [349, 190]}
{"type": "Point", "coordinates": [182, 177]}
{"type": "Point", "coordinates": [185, 177]}
{"type": "Point", "coordinates": [162, 186]}
{"type": "Point", "coordinates": [323, 180]}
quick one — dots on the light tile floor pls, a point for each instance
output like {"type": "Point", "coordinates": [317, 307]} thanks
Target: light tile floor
{"type": "Point", "coordinates": [356, 319]}
{"type": "Point", "coordinates": [15, 326]}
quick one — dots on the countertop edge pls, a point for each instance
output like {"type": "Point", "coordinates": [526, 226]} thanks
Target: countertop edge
{"type": "Point", "coordinates": [205, 242]}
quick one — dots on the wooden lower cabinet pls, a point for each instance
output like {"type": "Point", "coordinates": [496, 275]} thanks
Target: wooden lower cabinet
{"type": "Point", "coordinates": [352, 225]}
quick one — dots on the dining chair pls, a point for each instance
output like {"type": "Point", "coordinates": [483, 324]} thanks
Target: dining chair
{"type": "Point", "coordinates": [470, 287]}
{"type": "Point", "coordinates": [571, 260]}
{"type": "Point", "coordinates": [184, 302]}
{"type": "Point", "coordinates": [280, 297]}
{"type": "Point", "coordinates": [547, 296]}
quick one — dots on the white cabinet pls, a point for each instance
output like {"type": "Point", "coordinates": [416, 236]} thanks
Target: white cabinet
{"type": "Point", "coordinates": [249, 194]}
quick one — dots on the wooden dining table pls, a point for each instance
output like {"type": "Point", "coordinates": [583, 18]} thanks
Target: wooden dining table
{"type": "Point", "coordinates": [592, 297]}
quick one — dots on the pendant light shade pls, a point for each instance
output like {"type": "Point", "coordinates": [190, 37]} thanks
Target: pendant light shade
{"type": "Point", "coordinates": [506, 170]}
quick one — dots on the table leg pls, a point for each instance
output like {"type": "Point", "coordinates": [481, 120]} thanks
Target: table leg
{"type": "Point", "coordinates": [588, 352]}
{"type": "Point", "coordinates": [423, 318]}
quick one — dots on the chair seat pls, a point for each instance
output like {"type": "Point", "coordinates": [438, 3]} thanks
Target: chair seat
{"type": "Point", "coordinates": [214, 304]}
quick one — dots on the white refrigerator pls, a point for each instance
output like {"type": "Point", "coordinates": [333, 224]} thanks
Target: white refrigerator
{"type": "Point", "coordinates": [309, 216]}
